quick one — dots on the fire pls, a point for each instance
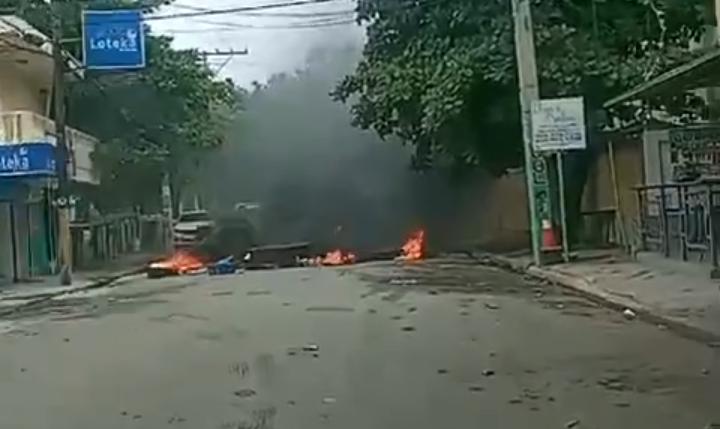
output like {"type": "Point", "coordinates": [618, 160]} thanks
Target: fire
{"type": "Point", "coordinates": [414, 247]}
{"type": "Point", "coordinates": [182, 262]}
{"type": "Point", "coordinates": [338, 257]}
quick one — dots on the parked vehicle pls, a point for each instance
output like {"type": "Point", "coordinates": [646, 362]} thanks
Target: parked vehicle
{"type": "Point", "coordinates": [191, 228]}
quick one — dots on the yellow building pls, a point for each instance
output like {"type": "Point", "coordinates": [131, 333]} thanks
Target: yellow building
{"type": "Point", "coordinates": [28, 179]}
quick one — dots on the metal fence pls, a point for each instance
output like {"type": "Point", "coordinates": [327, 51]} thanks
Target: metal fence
{"type": "Point", "coordinates": [106, 239]}
{"type": "Point", "coordinates": [681, 219]}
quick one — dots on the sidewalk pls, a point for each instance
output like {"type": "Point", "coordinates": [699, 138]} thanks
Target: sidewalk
{"type": "Point", "coordinates": [15, 294]}
{"type": "Point", "coordinates": [675, 294]}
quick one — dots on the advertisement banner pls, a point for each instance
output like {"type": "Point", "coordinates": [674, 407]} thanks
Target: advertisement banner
{"type": "Point", "coordinates": [113, 39]}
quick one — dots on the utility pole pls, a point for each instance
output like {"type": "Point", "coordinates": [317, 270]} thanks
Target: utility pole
{"type": "Point", "coordinates": [538, 188]}
{"type": "Point", "coordinates": [61, 150]}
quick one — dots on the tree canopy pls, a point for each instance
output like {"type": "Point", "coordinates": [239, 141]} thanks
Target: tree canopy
{"type": "Point", "coordinates": [152, 121]}
{"type": "Point", "coordinates": [441, 74]}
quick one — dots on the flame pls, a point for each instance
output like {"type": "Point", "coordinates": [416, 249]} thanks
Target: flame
{"type": "Point", "coordinates": [338, 257]}
{"type": "Point", "coordinates": [182, 262]}
{"type": "Point", "coordinates": [414, 247]}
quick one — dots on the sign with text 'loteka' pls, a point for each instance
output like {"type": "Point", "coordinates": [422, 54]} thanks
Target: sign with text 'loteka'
{"type": "Point", "coordinates": [113, 39]}
{"type": "Point", "coordinates": [558, 124]}
{"type": "Point", "coordinates": [27, 159]}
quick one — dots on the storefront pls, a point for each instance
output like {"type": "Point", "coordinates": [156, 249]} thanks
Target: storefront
{"type": "Point", "coordinates": [27, 220]}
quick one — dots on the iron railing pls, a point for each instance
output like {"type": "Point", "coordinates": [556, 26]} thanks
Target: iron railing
{"type": "Point", "coordinates": [681, 218]}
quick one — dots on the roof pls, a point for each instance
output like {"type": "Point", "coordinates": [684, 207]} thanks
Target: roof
{"type": "Point", "coordinates": [702, 72]}
{"type": "Point", "coordinates": [14, 26]}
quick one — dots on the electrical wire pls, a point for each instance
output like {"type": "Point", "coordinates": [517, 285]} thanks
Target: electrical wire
{"type": "Point", "coordinates": [214, 12]}
{"type": "Point", "coordinates": [241, 27]}
{"type": "Point", "coordinates": [339, 13]}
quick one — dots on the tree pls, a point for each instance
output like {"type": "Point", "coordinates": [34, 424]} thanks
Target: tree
{"type": "Point", "coordinates": [154, 121]}
{"type": "Point", "coordinates": [441, 74]}
{"type": "Point", "coordinates": [158, 120]}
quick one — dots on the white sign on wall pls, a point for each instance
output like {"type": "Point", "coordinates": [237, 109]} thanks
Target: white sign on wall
{"type": "Point", "coordinates": [558, 124]}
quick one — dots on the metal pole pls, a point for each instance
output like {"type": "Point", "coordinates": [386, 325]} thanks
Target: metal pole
{"type": "Point", "coordinates": [168, 211]}
{"type": "Point", "coordinates": [64, 237]}
{"type": "Point", "coordinates": [535, 168]}
{"type": "Point", "coordinates": [563, 216]}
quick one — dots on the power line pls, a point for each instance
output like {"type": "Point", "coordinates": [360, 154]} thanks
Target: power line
{"type": "Point", "coordinates": [288, 25]}
{"type": "Point", "coordinates": [221, 53]}
{"type": "Point", "coordinates": [241, 27]}
{"type": "Point", "coordinates": [214, 12]}
{"type": "Point", "coordinates": [339, 13]}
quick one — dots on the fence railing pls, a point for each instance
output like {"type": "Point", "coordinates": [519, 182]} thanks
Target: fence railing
{"type": "Point", "coordinates": [99, 241]}
{"type": "Point", "coordinates": [681, 218]}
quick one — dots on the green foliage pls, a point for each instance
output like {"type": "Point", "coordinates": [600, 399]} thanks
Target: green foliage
{"type": "Point", "coordinates": [162, 118]}
{"type": "Point", "coordinates": [157, 120]}
{"type": "Point", "coordinates": [441, 74]}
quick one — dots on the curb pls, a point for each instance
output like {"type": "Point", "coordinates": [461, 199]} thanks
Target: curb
{"type": "Point", "coordinates": [104, 282]}
{"type": "Point", "coordinates": [583, 287]}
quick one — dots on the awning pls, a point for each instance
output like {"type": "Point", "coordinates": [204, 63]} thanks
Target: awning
{"type": "Point", "coordinates": [702, 72]}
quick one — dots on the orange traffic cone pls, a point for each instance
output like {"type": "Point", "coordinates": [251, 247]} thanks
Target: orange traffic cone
{"type": "Point", "coordinates": [550, 241]}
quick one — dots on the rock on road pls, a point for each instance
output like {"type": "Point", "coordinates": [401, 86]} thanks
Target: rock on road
{"type": "Point", "coordinates": [441, 343]}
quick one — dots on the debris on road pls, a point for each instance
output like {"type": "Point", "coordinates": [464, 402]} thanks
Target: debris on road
{"type": "Point", "coordinates": [225, 266]}
{"type": "Point", "coordinates": [629, 314]}
{"type": "Point", "coordinates": [572, 424]}
{"type": "Point", "coordinates": [244, 393]}
{"type": "Point", "coordinates": [311, 348]}
{"type": "Point", "coordinates": [403, 282]}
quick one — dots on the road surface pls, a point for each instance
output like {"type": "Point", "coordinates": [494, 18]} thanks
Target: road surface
{"type": "Point", "coordinates": [437, 344]}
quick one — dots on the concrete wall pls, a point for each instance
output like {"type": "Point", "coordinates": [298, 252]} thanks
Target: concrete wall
{"type": "Point", "coordinates": [22, 91]}
{"type": "Point", "coordinates": [493, 215]}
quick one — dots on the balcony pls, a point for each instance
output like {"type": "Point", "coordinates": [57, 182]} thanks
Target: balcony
{"type": "Point", "coordinates": [28, 127]}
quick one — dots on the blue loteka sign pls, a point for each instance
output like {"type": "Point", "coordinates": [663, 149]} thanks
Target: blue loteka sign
{"type": "Point", "coordinates": [113, 39]}
{"type": "Point", "coordinates": [27, 160]}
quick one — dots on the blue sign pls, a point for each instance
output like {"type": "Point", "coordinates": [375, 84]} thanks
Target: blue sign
{"type": "Point", "coordinates": [27, 160]}
{"type": "Point", "coordinates": [113, 39]}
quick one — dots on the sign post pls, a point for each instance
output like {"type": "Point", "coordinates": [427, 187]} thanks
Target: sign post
{"type": "Point", "coordinates": [558, 125]}
{"type": "Point", "coordinates": [113, 39]}
{"type": "Point", "coordinates": [535, 166]}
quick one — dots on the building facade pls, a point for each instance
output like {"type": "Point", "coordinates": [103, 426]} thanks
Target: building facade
{"type": "Point", "coordinates": [28, 171]}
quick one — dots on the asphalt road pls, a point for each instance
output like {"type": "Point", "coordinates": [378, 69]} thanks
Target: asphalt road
{"type": "Point", "coordinates": [438, 344]}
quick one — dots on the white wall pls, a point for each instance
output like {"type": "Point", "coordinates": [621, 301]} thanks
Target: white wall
{"type": "Point", "coordinates": [656, 146]}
